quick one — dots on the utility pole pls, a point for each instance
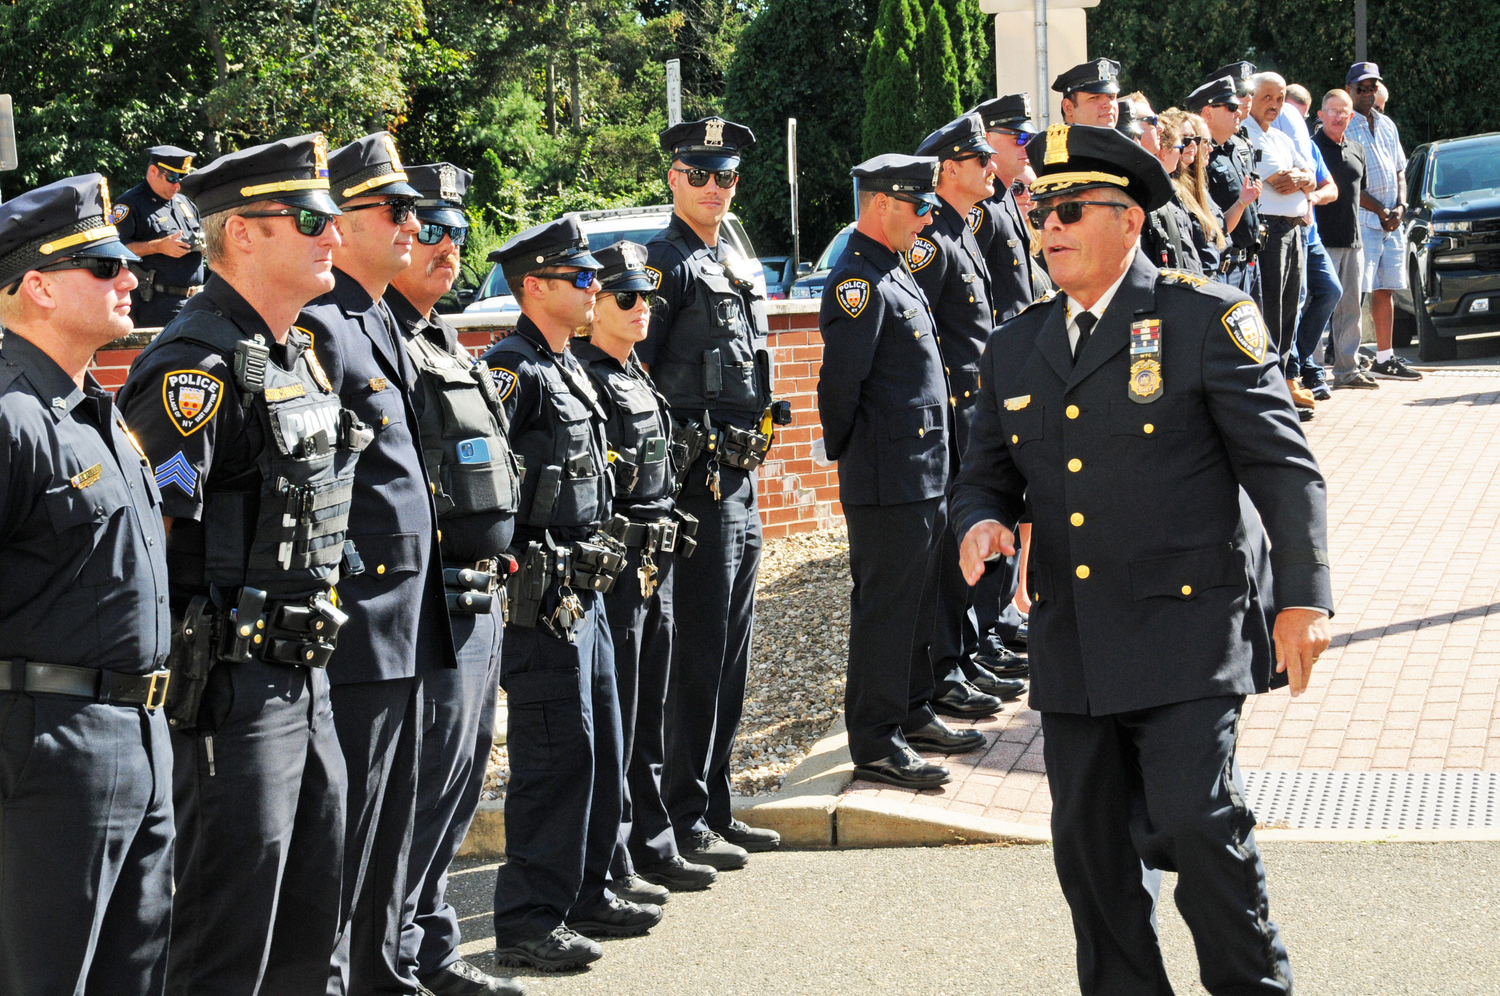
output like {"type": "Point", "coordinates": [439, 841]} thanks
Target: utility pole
{"type": "Point", "coordinates": [674, 92]}
{"type": "Point", "coordinates": [791, 179]}
{"type": "Point", "coordinates": [1040, 8]}
{"type": "Point", "coordinates": [1360, 49]}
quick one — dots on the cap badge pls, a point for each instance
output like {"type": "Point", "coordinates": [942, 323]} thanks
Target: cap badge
{"type": "Point", "coordinates": [448, 183]}
{"type": "Point", "coordinates": [390, 148]}
{"type": "Point", "coordinates": [631, 258]}
{"type": "Point", "coordinates": [187, 164]}
{"type": "Point", "coordinates": [713, 131]}
{"type": "Point", "coordinates": [1057, 145]}
{"type": "Point", "coordinates": [320, 156]}
{"type": "Point", "coordinates": [1026, 104]}
{"type": "Point", "coordinates": [937, 171]}
{"type": "Point", "coordinates": [1104, 72]}
{"type": "Point", "coordinates": [104, 198]}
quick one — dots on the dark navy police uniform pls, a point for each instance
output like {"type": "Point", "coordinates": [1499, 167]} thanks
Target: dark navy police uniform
{"type": "Point", "coordinates": [1150, 621]}
{"type": "Point", "coordinates": [1228, 167]}
{"type": "Point", "coordinates": [141, 215]}
{"type": "Point", "coordinates": [85, 759]}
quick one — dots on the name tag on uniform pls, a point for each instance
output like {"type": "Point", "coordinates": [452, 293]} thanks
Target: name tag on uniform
{"type": "Point", "coordinates": [909, 314]}
{"type": "Point", "coordinates": [1017, 403]}
{"type": "Point", "coordinates": [84, 478]}
{"type": "Point", "coordinates": [1012, 242]}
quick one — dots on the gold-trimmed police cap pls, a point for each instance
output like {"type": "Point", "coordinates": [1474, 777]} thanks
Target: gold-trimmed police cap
{"type": "Point", "coordinates": [291, 171]}
{"type": "Point", "coordinates": [369, 165]}
{"type": "Point", "coordinates": [906, 178]}
{"type": "Point", "coordinates": [1073, 158]}
{"type": "Point", "coordinates": [175, 162]}
{"type": "Point", "coordinates": [711, 143]}
{"type": "Point", "coordinates": [69, 217]}
{"type": "Point", "coordinates": [554, 243]}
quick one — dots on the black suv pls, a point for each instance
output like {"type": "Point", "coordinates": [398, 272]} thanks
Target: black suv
{"type": "Point", "coordinates": [1452, 245]}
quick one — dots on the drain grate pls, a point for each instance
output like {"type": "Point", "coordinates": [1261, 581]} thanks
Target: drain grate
{"type": "Point", "coordinates": [1374, 800]}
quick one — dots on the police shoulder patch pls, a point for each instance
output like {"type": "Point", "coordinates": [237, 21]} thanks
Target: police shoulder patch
{"type": "Point", "coordinates": [655, 275]}
{"type": "Point", "coordinates": [922, 253]}
{"type": "Point", "coordinates": [119, 214]}
{"type": "Point", "coordinates": [1247, 329]}
{"type": "Point", "coordinates": [505, 381]}
{"type": "Point", "coordinates": [976, 218]}
{"type": "Point", "coordinates": [191, 397]}
{"type": "Point", "coordinates": [1184, 277]}
{"type": "Point", "coordinates": [853, 295]}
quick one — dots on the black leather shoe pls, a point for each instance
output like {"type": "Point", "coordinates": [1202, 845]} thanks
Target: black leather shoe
{"type": "Point", "coordinates": [679, 875]}
{"type": "Point", "coordinates": [708, 848]}
{"type": "Point", "coordinates": [752, 839]}
{"type": "Point", "coordinates": [1020, 641]}
{"type": "Point", "coordinates": [463, 979]}
{"type": "Point", "coordinates": [904, 769]}
{"type": "Point", "coordinates": [965, 700]}
{"type": "Point", "coordinates": [939, 736]}
{"type": "Point", "coordinates": [635, 889]}
{"type": "Point", "coordinates": [1003, 689]}
{"type": "Point", "coordinates": [1005, 663]}
{"type": "Point", "coordinates": [616, 918]}
{"type": "Point", "coordinates": [563, 950]}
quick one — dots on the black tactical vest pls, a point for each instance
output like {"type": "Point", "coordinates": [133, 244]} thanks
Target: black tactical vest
{"type": "Point", "coordinates": [563, 451]}
{"type": "Point", "coordinates": [639, 432]}
{"type": "Point", "coordinates": [284, 533]}
{"type": "Point", "coordinates": [465, 435]}
{"type": "Point", "coordinates": [716, 356]}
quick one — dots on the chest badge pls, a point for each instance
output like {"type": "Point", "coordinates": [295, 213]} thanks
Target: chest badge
{"type": "Point", "coordinates": [853, 295]}
{"type": "Point", "coordinates": [1145, 361]}
{"type": "Point", "coordinates": [378, 384]}
{"type": "Point", "coordinates": [921, 254]}
{"type": "Point", "coordinates": [191, 397]}
{"type": "Point", "coordinates": [1017, 403]}
{"type": "Point", "coordinates": [85, 478]}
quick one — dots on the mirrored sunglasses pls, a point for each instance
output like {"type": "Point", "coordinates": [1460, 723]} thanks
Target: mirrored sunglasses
{"type": "Point", "coordinates": [401, 208]}
{"type": "Point", "coordinates": [431, 233]}
{"type": "Point", "coordinates": [1068, 212]}
{"type": "Point", "coordinates": [309, 223]}
{"type": "Point", "coordinates": [725, 178]}
{"type": "Point", "coordinates": [582, 279]}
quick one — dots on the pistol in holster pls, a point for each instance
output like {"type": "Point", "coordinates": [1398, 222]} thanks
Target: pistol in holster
{"type": "Point", "coordinates": [191, 658]}
{"type": "Point", "coordinates": [526, 586]}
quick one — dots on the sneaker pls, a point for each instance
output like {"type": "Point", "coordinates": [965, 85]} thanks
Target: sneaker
{"type": "Point", "coordinates": [1304, 414]}
{"type": "Point", "coordinates": [563, 950]}
{"type": "Point", "coordinates": [1358, 380]}
{"type": "Point", "coordinates": [752, 839]}
{"type": "Point", "coordinates": [1322, 392]}
{"type": "Point", "coordinates": [635, 889]}
{"type": "Point", "coordinates": [616, 918]}
{"type": "Point", "coordinates": [1395, 368]}
{"type": "Point", "coordinates": [707, 848]}
{"type": "Point", "coordinates": [463, 979]}
{"type": "Point", "coordinates": [678, 875]}
{"type": "Point", "coordinates": [1301, 396]}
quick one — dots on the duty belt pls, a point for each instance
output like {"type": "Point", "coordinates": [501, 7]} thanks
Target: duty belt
{"type": "Point", "coordinates": [97, 684]}
{"type": "Point", "coordinates": [289, 633]}
{"type": "Point", "coordinates": [652, 538]}
{"type": "Point", "coordinates": [728, 445]}
{"type": "Point", "coordinates": [591, 564]}
{"type": "Point", "coordinates": [189, 291]}
{"type": "Point", "coordinates": [471, 589]}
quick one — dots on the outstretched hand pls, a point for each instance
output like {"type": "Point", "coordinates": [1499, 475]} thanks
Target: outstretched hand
{"type": "Point", "coordinates": [983, 541]}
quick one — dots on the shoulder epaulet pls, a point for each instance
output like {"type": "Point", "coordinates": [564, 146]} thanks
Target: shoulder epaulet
{"type": "Point", "coordinates": [1044, 299]}
{"type": "Point", "coordinates": [8, 375]}
{"type": "Point", "coordinates": [1184, 277]}
{"type": "Point", "coordinates": [203, 328]}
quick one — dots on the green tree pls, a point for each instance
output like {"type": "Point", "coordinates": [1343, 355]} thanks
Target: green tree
{"type": "Point", "coordinates": [892, 121]}
{"type": "Point", "coordinates": [969, 28]}
{"type": "Point", "coordinates": [940, 98]}
{"type": "Point", "coordinates": [801, 59]}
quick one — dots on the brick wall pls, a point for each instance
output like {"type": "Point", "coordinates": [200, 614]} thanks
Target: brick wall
{"type": "Point", "coordinates": [795, 495]}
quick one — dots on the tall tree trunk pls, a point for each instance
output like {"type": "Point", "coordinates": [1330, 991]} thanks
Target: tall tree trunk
{"type": "Point", "coordinates": [208, 25]}
{"type": "Point", "coordinates": [551, 95]}
{"type": "Point", "coordinates": [573, 91]}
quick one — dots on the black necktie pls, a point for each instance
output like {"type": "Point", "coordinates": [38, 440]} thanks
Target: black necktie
{"type": "Point", "coordinates": [1085, 322]}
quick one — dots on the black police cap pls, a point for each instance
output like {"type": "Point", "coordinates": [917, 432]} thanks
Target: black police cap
{"type": "Point", "coordinates": [1073, 158]}
{"type": "Point", "coordinates": [1011, 112]}
{"type": "Point", "coordinates": [712, 143]}
{"type": "Point", "coordinates": [1217, 91]}
{"type": "Point", "coordinates": [1099, 76]}
{"type": "Point", "coordinates": [907, 178]}
{"type": "Point", "coordinates": [291, 171]}
{"type": "Point", "coordinates": [1128, 123]}
{"type": "Point", "coordinates": [554, 243]}
{"type": "Point", "coordinates": [369, 165]}
{"type": "Point", "coordinates": [70, 217]}
{"type": "Point", "coordinates": [623, 267]}
{"type": "Point", "coordinates": [1238, 72]}
{"type": "Point", "coordinates": [440, 191]}
{"type": "Point", "coordinates": [962, 136]}
{"type": "Point", "coordinates": [170, 158]}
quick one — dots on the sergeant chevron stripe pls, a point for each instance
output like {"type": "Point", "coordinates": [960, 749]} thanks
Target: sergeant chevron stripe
{"type": "Point", "coordinates": [178, 471]}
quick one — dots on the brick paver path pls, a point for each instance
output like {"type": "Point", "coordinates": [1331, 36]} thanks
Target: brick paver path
{"type": "Point", "coordinates": [1410, 681]}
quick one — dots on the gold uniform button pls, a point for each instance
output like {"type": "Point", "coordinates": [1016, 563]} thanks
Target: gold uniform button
{"type": "Point", "coordinates": [1075, 465]}
{"type": "Point", "coordinates": [1015, 439]}
{"type": "Point", "coordinates": [380, 569]}
{"type": "Point", "coordinates": [921, 433]}
{"type": "Point", "coordinates": [385, 420]}
{"type": "Point", "coordinates": [1071, 411]}
{"type": "Point", "coordinates": [917, 334]}
{"type": "Point", "coordinates": [966, 394]}
{"type": "Point", "coordinates": [1187, 589]}
{"type": "Point", "coordinates": [1148, 428]}
{"type": "Point", "coordinates": [1076, 518]}
{"type": "Point", "coordinates": [1083, 571]}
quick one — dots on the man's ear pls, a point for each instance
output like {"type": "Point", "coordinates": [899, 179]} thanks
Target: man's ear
{"type": "Point", "coordinates": [1135, 220]}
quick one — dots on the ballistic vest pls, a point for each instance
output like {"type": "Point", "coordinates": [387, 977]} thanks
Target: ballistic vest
{"type": "Point", "coordinates": [639, 432]}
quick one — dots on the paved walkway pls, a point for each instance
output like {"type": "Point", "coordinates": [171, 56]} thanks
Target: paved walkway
{"type": "Point", "coordinates": [1410, 681]}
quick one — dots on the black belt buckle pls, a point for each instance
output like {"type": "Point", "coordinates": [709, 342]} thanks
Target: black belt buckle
{"type": "Point", "coordinates": [156, 699]}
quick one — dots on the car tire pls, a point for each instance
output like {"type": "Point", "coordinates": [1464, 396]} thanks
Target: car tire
{"type": "Point", "coordinates": [1403, 325]}
{"type": "Point", "coordinates": [1431, 344]}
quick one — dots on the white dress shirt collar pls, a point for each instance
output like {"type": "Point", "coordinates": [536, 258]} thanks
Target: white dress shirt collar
{"type": "Point", "coordinates": [1072, 310]}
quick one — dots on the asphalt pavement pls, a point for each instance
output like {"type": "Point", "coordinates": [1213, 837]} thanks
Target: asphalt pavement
{"type": "Point", "coordinates": [1358, 919]}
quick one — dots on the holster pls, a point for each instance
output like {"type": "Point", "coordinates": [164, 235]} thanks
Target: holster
{"type": "Point", "coordinates": [527, 586]}
{"type": "Point", "coordinates": [190, 660]}
{"type": "Point", "coordinates": [147, 279]}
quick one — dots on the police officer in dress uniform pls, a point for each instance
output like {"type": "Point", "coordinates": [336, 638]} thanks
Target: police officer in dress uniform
{"type": "Point", "coordinates": [562, 803]}
{"type": "Point", "coordinates": [85, 761]}
{"type": "Point", "coordinates": [706, 351]}
{"type": "Point", "coordinates": [949, 266]}
{"type": "Point", "coordinates": [1088, 93]}
{"type": "Point", "coordinates": [475, 479]}
{"type": "Point", "coordinates": [398, 612]}
{"type": "Point", "coordinates": [1126, 415]}
{"type": "Point", "coordinates": [159, 224]}
{"type": "Point", "coordinates": [1232, 183]}
{"type": "Point", "coordinates": [638, 433]}
{"type": "Point", "coordinates": [1167, 239]}
{"type": "Point", "coordinates": [255, 460]}
{"type": "Point", "coordinates": [883, 397]}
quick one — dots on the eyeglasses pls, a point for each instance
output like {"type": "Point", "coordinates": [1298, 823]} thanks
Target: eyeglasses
{"type": "Point", "coordinates": [725, 178]}
{"type": "Point", "coordinates": [1368, 86]}
{"type": "Point", "coordinates": [1232, 105]}
{"type": "Point", "coordinates": [401, 208]}
{"type": "Point", "coordinates": [1192, 140]}
{"type": "Point", "coordinates": [431, 233]}
{"type": "Point", "coordinates": [983, 158]}
{"type": "Point", "coordinates": [309, 223]}
{"type": "Point", "coordinates": [582, 279]}
{"type": "Point", "coordinates": [625, 300]}
{"type": "Point", "coordinates": [1149, 119]}
{"type": "Point", "coordinates": [1068, 212]}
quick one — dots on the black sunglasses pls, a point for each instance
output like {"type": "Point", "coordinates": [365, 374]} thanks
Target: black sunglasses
{"type": "Point", "coordinates": [1233, 105]}
{"type": "Point", "coordinates": [431, 233]}
{"type": "Point", "coordinates": [1021, 137]}
{"type": "Point", "coordinates": [103, 267]}
{"type": "Point", "coordinates": [625, 300]}
{"type": "Point", "coordinates": [1068, 212]}
{"type": "Point", "coordinates": [309, 223]}
{"type": "Point", "coordinates": [919, 207]}
{"type": "Point", "coordinates": [1018, 188]}
{"type": "Point", "coordinates": [1369, 86]}
{"type": "Point", "coordinates": [725, 178]}
{"type": "Point", "coordinates": [582, 279]}
{"type": "Point", "coordinates": [401, 208]}
{"type": "Point", "coordinates": [982, 157]}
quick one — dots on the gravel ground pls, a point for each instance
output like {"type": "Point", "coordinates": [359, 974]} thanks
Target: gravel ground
{"type": "Point", "coordinates": [797, 659]}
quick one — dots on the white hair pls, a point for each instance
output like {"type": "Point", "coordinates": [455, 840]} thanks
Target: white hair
{"type": "Point", "coordinates": [1261, 79]}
